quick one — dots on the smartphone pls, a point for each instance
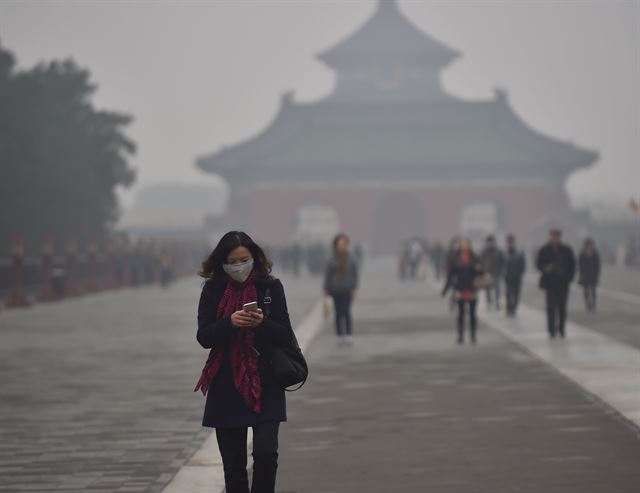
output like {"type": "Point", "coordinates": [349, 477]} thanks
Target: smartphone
{"type": "Point", "coordinates": [250, 307]}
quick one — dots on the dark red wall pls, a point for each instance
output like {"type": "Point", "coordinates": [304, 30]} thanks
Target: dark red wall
{"type": "Point", "coordinates": [436, 210]}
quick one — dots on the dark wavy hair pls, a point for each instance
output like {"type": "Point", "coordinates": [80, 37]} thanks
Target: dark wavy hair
{"type": "Point", "coordinates": [212, 265]}
{"type": "Point", "coordinates": [341, 260]}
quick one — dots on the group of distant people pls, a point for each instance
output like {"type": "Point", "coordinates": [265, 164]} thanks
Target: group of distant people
{"type": "Point", "coordinates": [242, 314]}
{"type": "Point", "coordinates": [468, 273]}
{"type": "Point", "coordinates": [412, 259]}
{"type": "Point", "coordinates": [295, 259]}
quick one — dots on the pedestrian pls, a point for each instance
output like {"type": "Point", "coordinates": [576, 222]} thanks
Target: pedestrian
{"type": "Point", "coordinates": [589, 272]}
{"type": "Point", "coordinates": [423, 262]}
{"type": "Point", "coordinates": [514, 268]}
{"type": "Point", "coordinates": [237, 379]}
{"type": "Point", "coordinates": [166, 269]}
{"type": "Point", "coordinates": [557, 265]}
{"type": "Point", "coordinates": [403, 260]}
{"type": "Point", "coordinates": [452, 255]}
{"type": "Point", "coordinates": [415, 254]}
{"type": "Point", "coordinates": [341, 283]}
{"type": "Point", "coordinates": [438, 255]}
{"type": "Point", "coordinates": [492, 260]}
{"type": "Point", "coordinates": [462, 276]}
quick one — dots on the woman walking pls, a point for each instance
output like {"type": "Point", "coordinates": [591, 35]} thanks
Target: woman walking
{"type": "Point", "coordinates": [465, 268]}
{"type": "Point", "coordinates": [589, 273]}
{"type": "Point", "coordinates": [236, 379]}
{"type": "Point", "coordinates": [341, 283]}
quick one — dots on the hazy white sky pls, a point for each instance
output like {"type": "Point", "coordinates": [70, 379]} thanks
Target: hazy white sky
{"type": "Point", "coordinates": [199, 75]}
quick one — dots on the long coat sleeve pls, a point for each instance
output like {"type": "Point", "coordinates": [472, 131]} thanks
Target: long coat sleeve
{"type": "Point", "coordinates": [212, 331]}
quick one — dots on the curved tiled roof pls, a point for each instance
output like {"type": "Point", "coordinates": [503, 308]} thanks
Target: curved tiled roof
{"type": "Point", "coordinates": [452, 135]}
{"type": "Point", "coordinates": [382, 138]}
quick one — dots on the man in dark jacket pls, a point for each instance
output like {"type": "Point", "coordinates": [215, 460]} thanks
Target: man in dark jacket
{"type": "Point", "coordinates": [515, 265]}
{"type": "Point", "coordinates": [492, 261]}
{"type": "Point", "coordinates": [557, 265]}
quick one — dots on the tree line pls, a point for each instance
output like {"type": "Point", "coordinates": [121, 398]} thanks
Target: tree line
{"type": "Point", "coordinates": [61, 158]}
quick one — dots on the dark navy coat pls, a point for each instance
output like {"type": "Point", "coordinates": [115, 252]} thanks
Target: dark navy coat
{"type": "Point", "coordinates": [589, 267]}
{"type": "Point", "coordinates": [561, 264]}
{"type": "Point", "coordinates": [225, 407]}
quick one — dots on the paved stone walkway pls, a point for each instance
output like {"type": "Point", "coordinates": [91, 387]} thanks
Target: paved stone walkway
{"type": "Point", "coordinates": [407, 409]}
{"type": "Point", "coordinates": [97, 396]}
{"type": "Point", "coordinates": [97, 393]}
{"type": "Point", "coordinates": [618, 314]}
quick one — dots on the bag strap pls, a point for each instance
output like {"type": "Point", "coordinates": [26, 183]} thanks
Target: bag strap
{"type": "Point", "coordinates": [267, 313]}
{"type": "Point", "coordinates": [267, 302]}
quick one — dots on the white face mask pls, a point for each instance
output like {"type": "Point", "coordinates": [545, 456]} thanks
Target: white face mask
{"type": "Point", "coordinates": [239, 272]}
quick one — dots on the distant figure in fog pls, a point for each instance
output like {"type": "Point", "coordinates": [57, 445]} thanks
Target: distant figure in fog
{"type": "Point", "coordinates": [403, 260]}
{"type": "Point", "coordinates": [589, 272]}
{"type": "Point", "coordinates": [423, 263]}
{"type": "Point", "coordinates": [438, 257]}
{"type": "Point", "coordinates": [452, 255]}
{"type": "Point", "coordinates": [493, 263]}
{"type": "Point", "coordinates": [557, 265]}
{"type": "Point", "coordinates": [166, 269]}
{"type": "Point", "coordinates": [514, 267]}
{"type": "Point", "coordinates": [465, 268]}
{"type": "Point", "coordinates": [341, 283]}
{"type": "Point", "coordinates": [237, 378]}
{"type": "Point", "coordinates": [415, 254]}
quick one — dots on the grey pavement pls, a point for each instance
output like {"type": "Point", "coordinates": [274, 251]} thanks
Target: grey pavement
{"type": "Point", "coordinates": [407, 409]}
{"type": "Point", "coordinates": [617, 316]}
{"type": "Point", "coordinates": [96, 393]}
{"type": "Point", "coordinates": [625, 279]}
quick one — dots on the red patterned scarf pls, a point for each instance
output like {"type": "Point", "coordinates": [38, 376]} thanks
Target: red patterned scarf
{"type": "Point", "coordinates": [243, 358]}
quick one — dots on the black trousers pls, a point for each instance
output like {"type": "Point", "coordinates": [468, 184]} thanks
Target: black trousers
{"type": "Point", "coordinates": [590, 296]}
{"type": "Point", "coordinates": [557, 298]}
{"type": "Point", "coordinates": [232, 443]}
{"type": "Point", "coordinates": [513, 294]}
{"type": "Point", "coordinates": [342, 306]}
{"type": "Point", "coordinates": [472, 318]}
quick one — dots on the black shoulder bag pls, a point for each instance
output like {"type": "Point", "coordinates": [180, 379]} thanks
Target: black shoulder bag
{"type": "Point", "coordinates": [287, 363]}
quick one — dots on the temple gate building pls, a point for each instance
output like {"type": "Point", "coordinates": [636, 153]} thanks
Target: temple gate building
{"type": "Point", "coordinates": [393, 155]}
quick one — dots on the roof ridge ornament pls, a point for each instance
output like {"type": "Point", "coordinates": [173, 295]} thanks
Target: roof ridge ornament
{"type": "Point", "coordinates": [287, 97]}
{"type": "Point", "coordinates": [387, 4]}
{"type": "Point", "coordinates": [501, 94]}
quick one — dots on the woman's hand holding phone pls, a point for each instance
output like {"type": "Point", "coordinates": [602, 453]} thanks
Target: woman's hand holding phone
{"type": "Point", "coordinates": [246, 320]}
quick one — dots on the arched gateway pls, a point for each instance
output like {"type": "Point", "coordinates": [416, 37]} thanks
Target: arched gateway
{"type": "Point", "coordinates": [389, 131]}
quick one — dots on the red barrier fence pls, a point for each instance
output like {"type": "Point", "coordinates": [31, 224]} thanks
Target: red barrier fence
{"type": "Point", "coordinates": [27, 278]}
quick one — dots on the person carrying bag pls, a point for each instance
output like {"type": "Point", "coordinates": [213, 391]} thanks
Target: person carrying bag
{"type": "Point", "coordinates": [288, 364]}
{"type": "Point", "coordinates": [251, 359]}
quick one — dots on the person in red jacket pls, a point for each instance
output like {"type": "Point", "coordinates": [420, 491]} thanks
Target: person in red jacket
{"type": "Point", "coordinates": [464, 269]}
